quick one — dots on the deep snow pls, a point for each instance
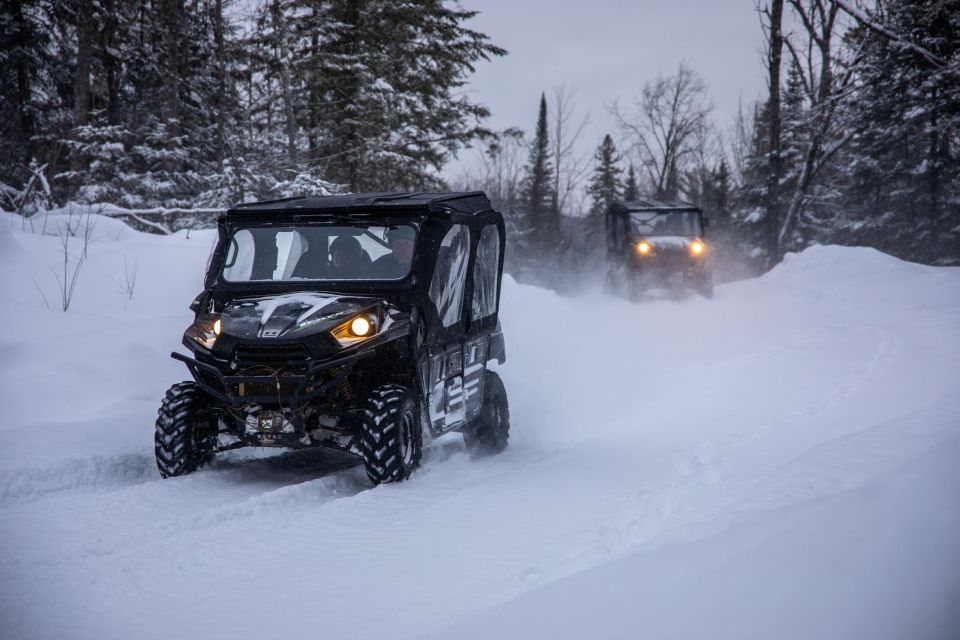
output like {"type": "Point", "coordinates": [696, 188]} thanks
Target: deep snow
{"type": "Point", "coordinates": [779, 462]}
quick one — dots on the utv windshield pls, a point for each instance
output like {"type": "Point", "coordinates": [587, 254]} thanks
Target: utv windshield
{"type": "Point", "coordinates": [320, 253]}
{"type": "Point", "coordinates": [677, 223]}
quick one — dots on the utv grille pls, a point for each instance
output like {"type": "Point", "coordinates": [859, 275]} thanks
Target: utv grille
{"type": "Point", "coordinates": [288, 357]}
{"type": "Point", "coordinates": [278, 387]}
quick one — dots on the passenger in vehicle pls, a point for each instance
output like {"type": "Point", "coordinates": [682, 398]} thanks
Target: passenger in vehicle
{"type": "Point", "coordinates": [396, 264]}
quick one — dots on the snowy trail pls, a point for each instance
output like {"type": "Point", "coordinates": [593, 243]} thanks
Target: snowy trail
{"type": "Point", "coordinates": [777, 462]}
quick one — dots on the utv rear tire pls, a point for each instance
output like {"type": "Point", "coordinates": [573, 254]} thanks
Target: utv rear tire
{"type": "Point", "coordinates": [184, 439]}
{"type": "Point", "coordinates": [391, 436]}
{"type": "Point", "coordinates": [491, 429]}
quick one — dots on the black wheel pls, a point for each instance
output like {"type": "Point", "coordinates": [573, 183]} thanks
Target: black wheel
{"type": "Point", "coordinates": [185, 439]}
{"type": "Point", "coordinates": [490, 431]}
{"type": "Point", "coordinates": [391, 437]}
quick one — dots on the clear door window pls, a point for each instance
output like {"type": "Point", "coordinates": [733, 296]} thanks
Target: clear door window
{"type": "Point", "coordinates": [485, 270]}
{"type": "Point", "coordinates": [450, 274]}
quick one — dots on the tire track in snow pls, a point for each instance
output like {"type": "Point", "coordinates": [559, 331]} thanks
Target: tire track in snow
{"type": "Point", "coordinates": [648, 512]}
{"type": "Point", "coordinates": [95, 473]}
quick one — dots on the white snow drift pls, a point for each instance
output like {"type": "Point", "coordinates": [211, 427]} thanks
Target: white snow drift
{"type": "Point", "coordinates": [780, 462]}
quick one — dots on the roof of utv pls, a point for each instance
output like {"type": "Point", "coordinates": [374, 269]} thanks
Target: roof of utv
{"type": "Point", "coordinates": [472, 202]}
{"type": "Point", "coordinates": [652, 205]}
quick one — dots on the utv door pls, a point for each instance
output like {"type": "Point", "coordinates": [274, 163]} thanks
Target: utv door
{"type": "Point", "coordinates": [448, 388]}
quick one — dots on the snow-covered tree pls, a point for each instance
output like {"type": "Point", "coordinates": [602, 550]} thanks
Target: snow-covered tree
{"type": "Point", "coordinates": [903, 162]}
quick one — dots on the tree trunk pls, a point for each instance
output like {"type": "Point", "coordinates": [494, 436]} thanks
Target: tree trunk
{"type": "Point", "coordinates": [25, 122]}
{"type": "Point", "coordinates": [110, 63]}
{"type": "Point", "coordinates": [774, 161]}
{"type": "Point", "coordinates": [219, 142]}
{"type": "Point", "coordinates": [81, 75]}
{"type": "Point", "coordinates": [172, 18]}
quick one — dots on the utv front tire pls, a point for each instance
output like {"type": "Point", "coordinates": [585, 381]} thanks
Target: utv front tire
{"type": "Point", "coordinates": [391, 436]}
{"type": "Point", "coordinates": [491, 429]}
{"type": "Point", "coordinates": [184, 439]}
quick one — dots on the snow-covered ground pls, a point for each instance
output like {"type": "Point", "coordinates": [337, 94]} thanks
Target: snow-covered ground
{"type": "Point", "coordinates": [780, 462]}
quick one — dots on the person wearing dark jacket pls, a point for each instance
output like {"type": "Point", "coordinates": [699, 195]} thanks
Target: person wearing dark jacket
{"type": "Point", "coordinates": [396, 264]}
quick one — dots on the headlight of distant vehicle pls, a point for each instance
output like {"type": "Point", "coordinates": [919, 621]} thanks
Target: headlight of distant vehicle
{"type": "Point", "coordinates": [697, 248]}
{"type": "Point", "coordinates": [643, 247]}
{"type": "Point", "coordinates": [356, 329]}
{"type": "Point", "coordinates": [204, 330]}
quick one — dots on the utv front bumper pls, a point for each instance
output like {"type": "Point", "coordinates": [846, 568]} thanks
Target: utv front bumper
{"type": "Point", "coordinates": [292, 393]}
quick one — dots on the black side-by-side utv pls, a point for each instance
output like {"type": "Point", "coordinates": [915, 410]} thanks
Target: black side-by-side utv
{"type": "Point", "coordinates": [653, 244]}
{"type": "Point", "coordinates": [356, 322]}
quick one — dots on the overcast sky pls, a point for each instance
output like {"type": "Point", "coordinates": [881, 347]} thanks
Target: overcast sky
{"type": "Point", "coordinates": [607, 49]}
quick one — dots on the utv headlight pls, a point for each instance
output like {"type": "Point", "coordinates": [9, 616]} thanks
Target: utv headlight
{"type": "Point", "coordinates": [697, 248]}
{"type": "Point", "coordinates": [360, 327]}
{"type": "Point", "coordinates": [356, 329]}
{"type": "Point", "coordinates": [643, 247]}
{"type": "Point", "coordinates": [204, 330]}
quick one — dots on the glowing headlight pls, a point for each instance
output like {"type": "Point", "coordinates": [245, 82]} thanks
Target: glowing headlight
{"type": "Point", "coordinates": [360, 327]}
{"type": "Point", "coordinates": [697, 248]}
{"type": "Point", "coordinates": [216, 327]}
{"type": "Point", "coordinates": [356, 329]}
{"type": "Point", "coordinates": [643, 247]}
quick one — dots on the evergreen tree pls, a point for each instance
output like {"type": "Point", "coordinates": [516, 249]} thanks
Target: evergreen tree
{"type": "Point", "coordinates": [33, 88]}
{"type": "Point", "coordinates": [793, 135]}
{"type": "Point", "coordinates": [631, 189]}
{"type": "Point", "coordinates": [904, 163]}
{"type": "Point", "coordinates": [605, 186]}
{"type": "Point", "coordinates": [388, 76]}
{"type": "Point", "coordinates": [158, 102]}
{"type": "Point", "coordinates": [538, 179]}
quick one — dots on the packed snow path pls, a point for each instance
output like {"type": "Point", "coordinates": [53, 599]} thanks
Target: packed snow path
{"type": "Point", "coordinates": [779, 462]}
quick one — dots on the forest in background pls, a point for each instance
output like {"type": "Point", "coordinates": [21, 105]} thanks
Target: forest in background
{"type": "Point", "coordinates": [196, 104]}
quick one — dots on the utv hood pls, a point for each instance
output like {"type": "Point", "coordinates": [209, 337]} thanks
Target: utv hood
{"type": "Point", "coordinates": [290, 315]}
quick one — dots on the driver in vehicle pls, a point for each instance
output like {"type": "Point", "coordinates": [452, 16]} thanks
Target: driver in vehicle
{"type": "Point", "coordinates": [348, 260]}
{"type": "Point", "coordinates": [313, 262]}
{"type": "Point", "coordinates": [396, 264]}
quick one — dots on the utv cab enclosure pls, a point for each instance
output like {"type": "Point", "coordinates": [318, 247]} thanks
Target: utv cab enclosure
{"type": "Point", "coordinates": [361, 322]}
{"type": "Point", "coordinates": [656, 244]}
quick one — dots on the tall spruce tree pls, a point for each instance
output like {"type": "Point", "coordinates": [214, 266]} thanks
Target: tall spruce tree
{"type": "Point", "coordinates": [631, 188]}
{"type": "Point", "coordinates": [388, 83]}
{"type": "Point", "coordinates": [605, 184]}
{"type": "Point", "coordinates": [538, 179]}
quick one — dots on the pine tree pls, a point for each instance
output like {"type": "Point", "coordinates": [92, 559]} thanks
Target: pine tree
{"type": "Point", "coordinates": [538, 179]}
{"type": "Point", "coordinates": [904, 178]}
{"type": "Point", "coordinates": [387, 80]}
{"type": "Point", "coordinates": [793, 134]}
{"type": "Point", "coordinates": [31, 77]}
{"type": "Point", "coordinates": [605, 186]}
{"type": "Point", "coordinates": [631, 189]}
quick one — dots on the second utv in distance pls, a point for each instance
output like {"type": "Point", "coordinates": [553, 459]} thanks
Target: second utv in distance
{"type": "Point", "coordinates": [359, 322]}
{"type": "Point", "coordinates": [656, 245]}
